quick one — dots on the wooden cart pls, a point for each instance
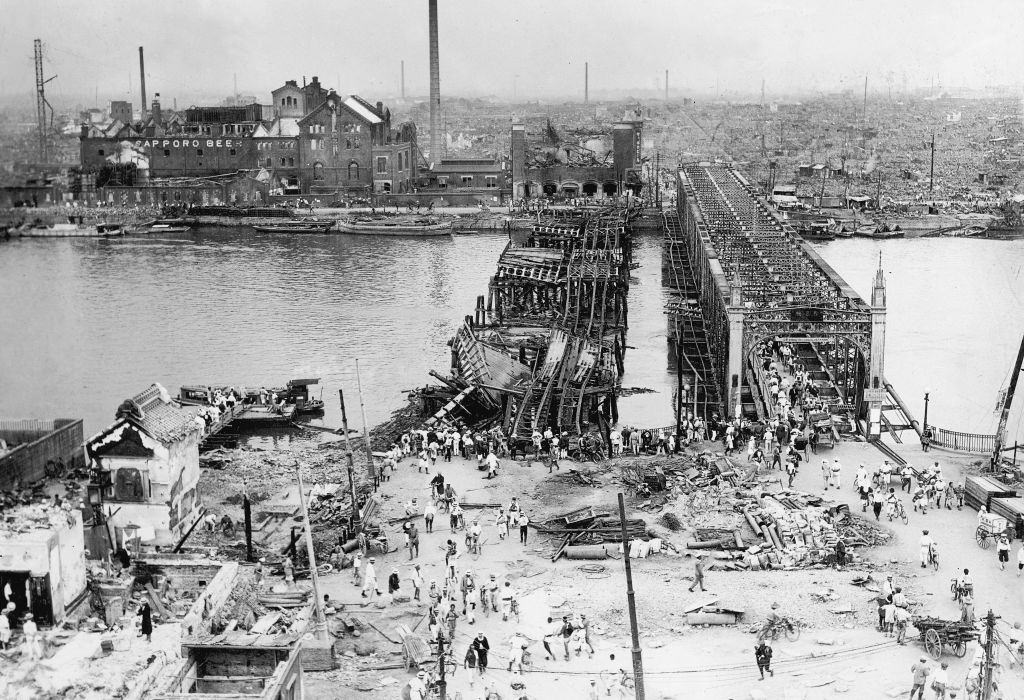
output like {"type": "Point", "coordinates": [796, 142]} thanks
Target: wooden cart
{"type": "Point", "coordinates": [936, 634]}
{"type": "Point", "coordinates": [415, 650]}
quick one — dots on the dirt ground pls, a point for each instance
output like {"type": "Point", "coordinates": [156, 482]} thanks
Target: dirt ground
{"type": "Point", "coordinates": [839, 654]}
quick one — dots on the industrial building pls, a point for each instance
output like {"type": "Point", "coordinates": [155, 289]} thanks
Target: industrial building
{"type": "Point", "coordinates": [309, 140]}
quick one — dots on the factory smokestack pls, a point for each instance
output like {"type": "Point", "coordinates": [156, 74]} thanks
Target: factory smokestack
{"type": "Point", "coordinates": [435, 87]}
{"type": "Point", "coordinates": [142, 76]}
{"type": "Point", "coordinates": [403, 81]}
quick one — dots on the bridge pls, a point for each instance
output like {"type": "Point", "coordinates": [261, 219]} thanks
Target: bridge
{"type": "Point", "coordinates": [739, 276]}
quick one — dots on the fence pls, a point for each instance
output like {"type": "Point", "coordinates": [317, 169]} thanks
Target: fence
{"type": "Point", "coordinates": [963, 442]}
{"type": "Point", "coordinates": [36, 442]}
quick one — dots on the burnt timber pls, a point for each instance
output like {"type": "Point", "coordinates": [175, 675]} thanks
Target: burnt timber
{"type": "Point", "coordinates": [546, 349]}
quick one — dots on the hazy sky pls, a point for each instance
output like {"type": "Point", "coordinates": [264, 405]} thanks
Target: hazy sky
{"type": "Point", "coordinates": [194, 47]}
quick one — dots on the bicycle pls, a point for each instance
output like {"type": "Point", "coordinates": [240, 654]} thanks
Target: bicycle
{"type": "Point", "coordinates": [898, 511]}
{"type": "Point", "coordinates": [785, 625]}
{"type": "Point", "coordinates": [514, 609]}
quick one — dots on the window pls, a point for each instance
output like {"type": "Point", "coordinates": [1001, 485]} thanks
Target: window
{"type": "Point", "coordinates": [358, 143]}
{"type": "Point", "coordinates": [282, 162]}
{"type": "Point", "coordinates": [270, 162]}
{"type": "Point", "coordinates": [100, 151]}
{"type": "Point", "coordinates": [232, 151]}
{"type": "Point", "coordinates": [282, 102]}
{"type": "Point", "coordinates": [467, 180]}
{"type": "Point", "coordinates": [348, 144]}
{"type": "Point", "coordinates": [318, 171]}
{"type": "Point", "coordinates": [491, 181]}
{"type": "Point", "coordinates": [291, 162]}
{"type": "Point", "coordinates": [442, 183]}
{"type": "Point", "coordinates": [382, 164]}
{"type": "Point", "coordinates": [199, 152]}
{"type": "Point", "coordinates": [353, 171]}
{"type": "Point", "coordinates": [167, 153]}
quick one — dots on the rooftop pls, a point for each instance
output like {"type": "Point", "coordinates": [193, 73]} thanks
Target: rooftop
{"type": "Point", "coordinates": [155, 413]}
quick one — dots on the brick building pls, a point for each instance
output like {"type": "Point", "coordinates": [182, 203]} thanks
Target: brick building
{"type": "Point", "coordinates": [309, 141]}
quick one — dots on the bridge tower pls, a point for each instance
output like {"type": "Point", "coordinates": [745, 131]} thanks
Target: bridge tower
{"type": "Point", "coordinates": [875, 394]}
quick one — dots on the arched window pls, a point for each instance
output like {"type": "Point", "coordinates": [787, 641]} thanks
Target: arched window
{"type": "Point", "coordinates": [282, 102]}
{"type": "Point", "coordinates": [353, 171]}
{"type": "Point", "coordinates": [318, 171]}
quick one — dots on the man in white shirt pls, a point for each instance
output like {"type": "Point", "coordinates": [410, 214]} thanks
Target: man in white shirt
{"type": "Point", "coordinates": [492, 465]}
{"type": "Point", "coordinates": [939, 680]}
{"type": "Point", "coordinates": [418, 686]}
{"type": "Point", "coordinates": [926, 547]}
{"type": "Point", "coordinates": [370, 578]}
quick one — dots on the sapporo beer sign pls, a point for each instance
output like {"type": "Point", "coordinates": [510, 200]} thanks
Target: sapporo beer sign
{"type": "Point", "coordinates": [187, 143]}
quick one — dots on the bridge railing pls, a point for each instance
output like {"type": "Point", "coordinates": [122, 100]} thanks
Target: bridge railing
{"type": "Point", "coordinates": [963, 442]}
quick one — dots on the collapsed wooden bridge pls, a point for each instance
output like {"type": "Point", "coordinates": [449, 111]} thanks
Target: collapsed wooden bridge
{"type": "Point", "coordinates": [547, 347]}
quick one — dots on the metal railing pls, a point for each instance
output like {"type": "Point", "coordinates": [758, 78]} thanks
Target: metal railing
{"type": "Point", "coordinates": [963, 442]}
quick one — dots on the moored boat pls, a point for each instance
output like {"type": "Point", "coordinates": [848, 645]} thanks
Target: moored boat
{"type": "Point", "coordinates": [296, 226]}
{"type": "Point", "coordinates": [71, 231]}
{"type": "Point", "coordinates": [158, 226]}
{"type": "Point", "coordinates": [395, 227]}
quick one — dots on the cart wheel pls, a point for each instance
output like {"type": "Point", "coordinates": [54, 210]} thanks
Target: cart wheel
{"type": "Point", "coordinates": [932, 644]}
{"type": "Point", "coordinates": [960, 648]}
{"type": "Point", "coordinates": [982, 537]}
{"type": "Point", "coordinates": [793, 632]}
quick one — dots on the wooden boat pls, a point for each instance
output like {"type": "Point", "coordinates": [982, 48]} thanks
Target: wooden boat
{"type": "Point", "coordinates": [878, 231]}
{"type": "Point", "coordinates": [158, 226]}
{"type": "Point", "coordinates": [72, 231]}
{"type": "Point", "coordinates": [298, 226]}
{"type": "Point", "coordinates": [297, 394]}
{"type": "Point", "coordinates": [395, 227]}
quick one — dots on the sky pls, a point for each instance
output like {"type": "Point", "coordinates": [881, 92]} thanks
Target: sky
{"type": "Point", "coordinates": [194, 48]}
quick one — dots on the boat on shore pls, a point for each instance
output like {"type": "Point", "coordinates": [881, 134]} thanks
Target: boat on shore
{"type": "Point", "coordinates": [878, 231]}
{"type": "Point", "coordinates": [395, 227]}
{"type": "Point", "coordinates": [296, 226]}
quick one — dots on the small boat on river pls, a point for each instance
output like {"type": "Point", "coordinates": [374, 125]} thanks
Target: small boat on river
{"type": "Point", "coordinates": [296, 226]}
{"type": "Point", "coordinates": [159, 226]}
{"type": "Point", "coordinates": [72, 231]}
{"type": "Point", "coordinates": [395, 227]}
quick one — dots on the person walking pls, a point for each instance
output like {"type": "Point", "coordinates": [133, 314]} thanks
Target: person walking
{"type": "Point", "coordinates": [429, 511]}
{"type": "Point", "coordinates": [1003, 551]}
{"type": "Point", "coordinates": [902, 618]}
{"type": "Point", "coordinates": [763, 656]}
{"type": "Point", "coordinates": [698, 573]}
{"type": "Point", "coordinates": [1020, 559]}
{"type": "Point", "coordinates": [826, 473]}
{"type": "Point", "coordinates": [939, 681]}
{"type": "Point", "coordinates": [357, 564]}
{"type": "Point", "coordinates": [417, 582]}
{"type": "Point", "coordinates": [920, 671]}
{"type": "Point", "coordinates": [524, 523]}
{"type": "Point", "coordinates": [414, 541]}
{"type": "Point", "coordinates": [835, 469]}
{"type": "Point", "coordinates": [146, 613]}
{"type": "Point", "coordinates": [502, 524]}
{"type": "Point", "coordinates": [451, 619]}
{"type": "Point", "coordinates": [925, 544]}
{"type": "Point", "coordinates": [507, 596]}
{"type": "Point", "coordinates": [393, 582]}
{"type": "Point", "coordinates": [481, 646]}
{"type": "Point", "coordinates": [877, 501]}
{"type": "Point", "coordinates": [32, 648]}
{"type": "Point", "coordinates": [370, 578]}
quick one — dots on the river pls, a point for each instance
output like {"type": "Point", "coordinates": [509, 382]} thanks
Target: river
{"type": "Point", "coordinates": [87, 323]}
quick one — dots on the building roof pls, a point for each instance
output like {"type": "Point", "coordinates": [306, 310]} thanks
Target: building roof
{"type": "Point", "coordinates": [282, 126]}
{"type": "Point", "coordinates": [156, 414]}
{"type": "Point", "coordinates": [360, 107]}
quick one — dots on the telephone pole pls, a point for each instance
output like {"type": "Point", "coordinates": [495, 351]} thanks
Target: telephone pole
{"type": "Point", "coordinates": [366, 430]}
{"type": "Point", "coordinates": [318, 605]}
{"type": "Point", "coordinates": [931, 178]}
{"type": "Point", "coordinates": [990, 634]}
{"type": "Point", "coordinates": [41, 103]}
{"type": "Point", "coordinates": [638, 662]}
{"type": "Point", "coordinates": [348, 458]}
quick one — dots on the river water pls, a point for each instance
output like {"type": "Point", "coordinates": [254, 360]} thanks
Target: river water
{"type": "Point", "coordinates": [87, 323]}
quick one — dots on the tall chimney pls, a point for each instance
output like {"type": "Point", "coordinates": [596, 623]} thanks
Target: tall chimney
{"type": "Point", "coordinates": [142, 74]}
{"type": "Point", "coordinates": [403, 81]}
{"type": "Point", "coordinates": [435, 86]}
{"type": "Point", "coordinates": [586, 83]}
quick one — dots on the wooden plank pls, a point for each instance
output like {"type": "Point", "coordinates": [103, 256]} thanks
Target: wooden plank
{"type": "Point", "coordinates": [157, 603]}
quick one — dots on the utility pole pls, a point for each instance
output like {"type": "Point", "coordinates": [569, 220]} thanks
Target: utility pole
{"type": "Point", "coordinates": [865, 118]}
{"type": "Point", "coordinates": [990, 634]}
{"type": "Point", "coordinates": [366, 430]}
{"type": "Point", "coordinates": [638, 663]}
{"type": "Point", "coordinates": [41, 103]}
{"type": "Point", "coordinates": [442, 684]}
{"type": "Point", "coordinates": [348, 458]}
{"type": "Point", "coordinates": [247, 515]}
{"type": "Point", "coordinates": [318, 603]}
{"type": "Point", "coordinates": [931, 178]}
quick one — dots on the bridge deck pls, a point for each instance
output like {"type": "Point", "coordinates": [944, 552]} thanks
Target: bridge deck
{"type": "Point", "coordinates": [753, 245]}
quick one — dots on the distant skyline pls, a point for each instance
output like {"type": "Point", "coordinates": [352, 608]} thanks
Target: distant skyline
{"type": "Point", "coordinates": [489, 47]}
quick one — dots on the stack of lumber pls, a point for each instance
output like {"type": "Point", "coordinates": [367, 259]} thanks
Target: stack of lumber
{"type": "Point", "coordinates": [980, 490]}
{"type": "Point", "coordinates": [285, 599]}
{"type": "Point", "coordinates": [1010, 508]}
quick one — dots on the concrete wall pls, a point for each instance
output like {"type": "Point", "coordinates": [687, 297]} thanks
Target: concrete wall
{"type": "Point", "coordinates": [59, 552]}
